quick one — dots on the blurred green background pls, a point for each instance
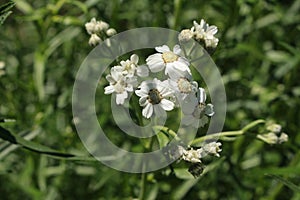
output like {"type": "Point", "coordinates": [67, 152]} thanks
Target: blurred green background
{"type": "Point", "coordinates": [43, 45]}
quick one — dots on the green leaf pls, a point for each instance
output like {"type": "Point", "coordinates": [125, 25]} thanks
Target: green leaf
{"type": "Point", "coordinates": [287, 183]}
{"type": "Point", "coordinates": [5, 11]}
{"type": "Point", "coordinates": [36, 147]}
{"type": "Point", "coordinates": [163, 139]}
{"type": "Point", "coordinates": [65, 35]}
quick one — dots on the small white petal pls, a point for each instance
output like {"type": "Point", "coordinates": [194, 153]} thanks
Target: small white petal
{"type": "Point", "coordinates": [167, 104]}
{"type": "Point", "coordinates": [159, 111]}
{"type": "Point", "coordinates": [201, 95]}
{"type": "Point", "coordinates": [134, 58]}
{"type": "Point", "coordinates": [143, 101]}
{"type": "Point", "coordinates": [120, 98]}
{"type": "Point", "coordinates": [109, 89]}
{"type": "Point", "coordinates": [162, 49]}
{"type": "Point", "coordinates": [176, 49]}
{"type": "Point", "coordinates": [148, 111]}
{"type": "Point", "coordinates": [142, 71]}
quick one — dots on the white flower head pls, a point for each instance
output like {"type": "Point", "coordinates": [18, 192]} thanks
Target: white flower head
{"type": "Point", "coordinates": [120, 85]}
{"type": "Point", "coordinates": [155, 97]}
{"type": "Point", "coordinates": [110, 32]}
{"type": "Point", "coordinates": [275, 128]}
{"type": "Point", "coordinates": [130, 67]}
{"type": "Point", "coordinates": [185, 35]}
{"type": "Point", "coordinates": [204, 32]}
{"type": "Point", "coordinates": [90, 26]}
{"type": "Point", "coordinates": [212, 148]}
{"type": "Point", "coordinates": [169, 60]}
{"type": "Point", "coordinates": [101, 26]}
{"type": "Point", "coordinates": [182, 84]}
{"type": "Point", "coordinates": [94, 40]}
{"type": "Point", "coordinates": [283, 138]}
{"type": "Point", "coordinates": [190, 155]}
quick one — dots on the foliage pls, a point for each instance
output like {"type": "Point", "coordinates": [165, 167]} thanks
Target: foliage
{"type": "Point", "coordinates": [43, 44]}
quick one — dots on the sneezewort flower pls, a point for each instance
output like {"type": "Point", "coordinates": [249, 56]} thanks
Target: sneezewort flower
{"type": "Point", "coordinates": [190, 155]}
{"type": "Point", "coordinates": [120, 85]}
{"type": "Point", "coordinates": [155, 97]}
{"type": "Point", "coordinates": [182, 84]}
{"type": "Point", "coordinates": [212, 148]}
{"type": "Point", "coordinates": [169, 60]}
{"type": "Point", "coordinates": [185, 35]}
{"type": "Point", "coordinates": [131, 68]}
{"type": "Point", "coordinates": [203, 32]}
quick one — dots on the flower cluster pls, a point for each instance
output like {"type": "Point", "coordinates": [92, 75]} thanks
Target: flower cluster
{"type": "Point", "coordinates": [158, 96]}
{"type": "Point", "coordinates": [99, 30]}
{"type": "Point", "coordinates": [274, 135]}
{"type": "Point", "coordinates": [195, 156]}
{"type": "Point", "coordinates": [123, 78]}
{"type": "Point", "coordinates": [203, 33]}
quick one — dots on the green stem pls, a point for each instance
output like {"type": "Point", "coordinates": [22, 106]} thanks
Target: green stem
{"type": "Point", "coordinates": [168, 131]}
{"type": "Point", "coordinates": [143, 185]}
{"type": "Point", "coordinates": [177, 12]}
{"type": "Point", "coordinates": [228, 133]}
{"type": "Point", "coordinates": [216, 135]}
{"type": "Point", "coordinates": [253, 124]}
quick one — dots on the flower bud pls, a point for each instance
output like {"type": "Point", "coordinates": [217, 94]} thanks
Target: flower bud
{"type": "Point", "coordinates": [185, 35]}
{"type": "Point", "coordinates": [110, 32]}
{"type": "Point", "coordinates": [94, 40]}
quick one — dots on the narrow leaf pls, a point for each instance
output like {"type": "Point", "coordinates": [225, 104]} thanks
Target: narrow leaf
{"type": "Point", "coordinates": [287, 183]}
{"type": "Point", "coordinates": [32, 146]}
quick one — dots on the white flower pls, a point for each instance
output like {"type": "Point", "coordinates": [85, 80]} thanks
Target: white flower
{"type": "Point", "coordinates": [96, 26]}
{"type": "Point", "coordinates": [275, 128]}
{"type": "Point", "coordinates": [101, 26]}
{"type": "Point", "coordinates": [170, 60]}
{"type": "Point", "coordinates": [270, 138]}
{"type": "Point", "coordinates": [185, 35]}
{"type": "Point", "coordinates": [283, 138]}
{"type": "Point", "coordinates": [195, 109]}
{"type": "Point", "coordinates": [204, 32]}
{"type": "Point", "coordinates": [182, 84]}
{"type": "Point", "coordinates": [155, 98]}
{"type": "Point", "coordinates": [110, 32]}
{"type": "Point", "coordinates": [94, 40]}
{"type": "Point", "coordinates": [190, 155]}
{"type": "Point", "coordinates": [130, 67]}
{"type": "Point", "coordinates": [212, 148]}
{"type": "Point", "coordinates": [120, 85]}
{"type": "Point", "coordinates": [90, 26]}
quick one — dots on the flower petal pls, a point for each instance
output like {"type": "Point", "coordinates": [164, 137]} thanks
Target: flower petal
{"type": "Point", "coordinates": [148, 111]}
{"type": "Point", "coordinates": [120, 97]}
{"type": "Point", "coordinates": [159, 111]}
{"type": "Point", "coordinates": [109, 89]}
{"type": "Point", "coordinates": [167, 104]}
{"type": "Point", "coordinates": [142, 71]}
{"type": "Point", "coordinates": [134, 58]}
{"type": "Point", "coordinates": [176, 49]}
{"type": "Point", "coordinates": [162, 49]}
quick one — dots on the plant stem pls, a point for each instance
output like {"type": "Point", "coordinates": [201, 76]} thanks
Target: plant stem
{"type": "Point", "coordinates": [227, 133]}
{"type": "Point", "coordinates": [143, 185]}
{"type": "Point", "coordinates": [216, 135]}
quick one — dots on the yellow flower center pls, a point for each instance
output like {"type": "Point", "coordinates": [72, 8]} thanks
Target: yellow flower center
{"type": "Point", "coordinates": [184, 85]}
{"type": "Point", "coordinates": [169, 57]}
{"type": "Point", "coordinates": [154, 96]}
